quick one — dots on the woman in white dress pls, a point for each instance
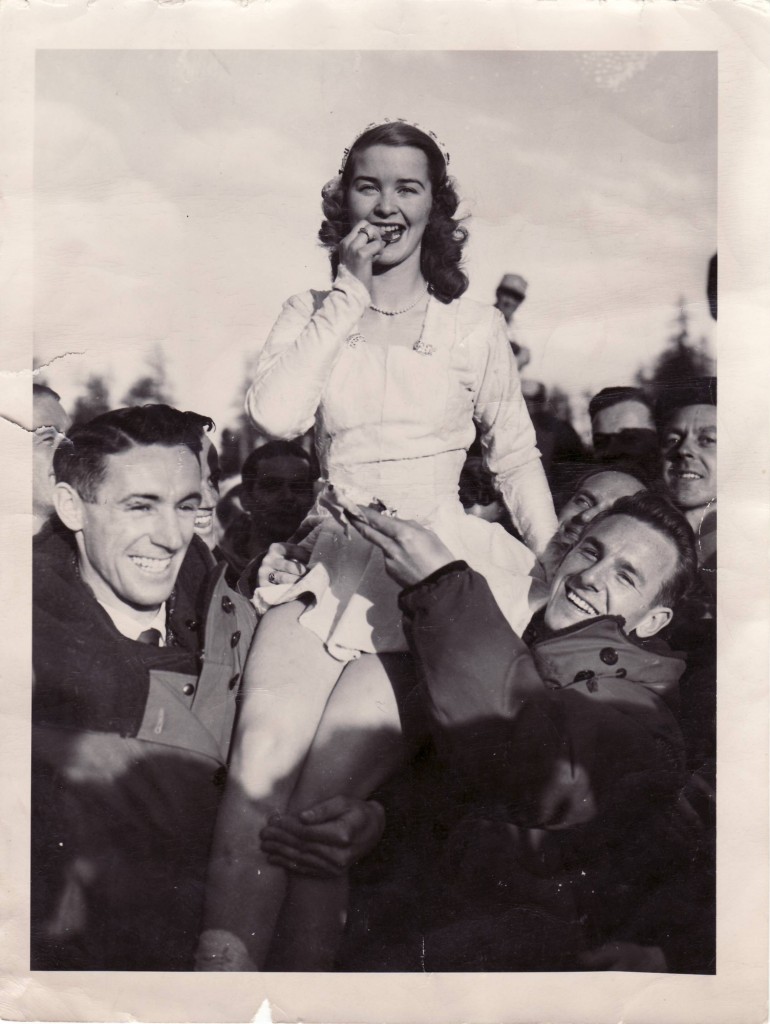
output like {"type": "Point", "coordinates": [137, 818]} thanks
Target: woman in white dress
{"type": "Point", "coordinates": [393, 366]}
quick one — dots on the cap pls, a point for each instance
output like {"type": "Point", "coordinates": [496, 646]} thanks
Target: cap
{"type": "Point", "coordinates": [513, 283]}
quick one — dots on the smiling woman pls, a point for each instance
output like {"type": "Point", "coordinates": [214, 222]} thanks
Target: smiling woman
{"type": "Point", "coordinates": [393, 366]}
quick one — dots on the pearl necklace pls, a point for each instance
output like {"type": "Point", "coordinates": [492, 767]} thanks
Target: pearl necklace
{"type": "Point", "coordinates": [398, 312]}
{"type": "Point", "coordinates": [420, 346]}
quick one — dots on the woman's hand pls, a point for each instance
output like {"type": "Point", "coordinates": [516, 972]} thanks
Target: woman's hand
{"type": "Point", "coordinates": [325, 840]}
{"type": "Point", "coordinates": [411, 551]}
{"type": "Point", "coordinates": [358, 250]}
{"type": "Point", "coordinates": [283, 563]}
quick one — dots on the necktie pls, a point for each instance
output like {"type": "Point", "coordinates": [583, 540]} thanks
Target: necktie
{"type": "Point", "coordinates": [150, 636]}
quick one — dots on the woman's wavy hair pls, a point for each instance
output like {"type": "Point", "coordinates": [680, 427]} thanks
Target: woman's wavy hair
{"type": "Point", "coordinates": [444, 238]}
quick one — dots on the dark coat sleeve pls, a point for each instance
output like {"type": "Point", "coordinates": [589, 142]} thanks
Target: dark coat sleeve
{"type": "Point", "coordinates": [556, 757]}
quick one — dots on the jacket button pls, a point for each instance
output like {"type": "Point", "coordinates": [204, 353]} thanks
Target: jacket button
{"type": "Point", "coordinates": [235, 638]}
{"type": "Point", "coordinates": [608, 655]}
{"type": "Point", "coordinates": [586, 673]}
{"type": "Point", "coordinates": [219, 778]}
{"type": "Point", "coordinates": [234, 681]}
{"type": "Point", "coordinates": [227, 604]}
{"type": "Point", "coordinates": [188, 689]}
{"type": "Point", "coordinates": [621, 673]}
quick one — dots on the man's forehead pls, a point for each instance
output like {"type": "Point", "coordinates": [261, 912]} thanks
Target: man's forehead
{"type": "Point", "coordinates": [613, 483]}
{"type": "Point", "coordinates": [166, 468]}
{"type": "Point", "coordinates": [699, 415]}
{"type": "Point", "coordinates": [284, 467]}
{"type": "Point", "coordinates": [634, 538]}
{"type": "Point", "coordinates": [630, 411]}
{"type": "Point", "coordinates": [48, 412]}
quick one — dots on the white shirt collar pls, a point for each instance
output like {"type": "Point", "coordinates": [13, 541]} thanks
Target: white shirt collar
{"type": "Point", "coordinates": [126, 624]}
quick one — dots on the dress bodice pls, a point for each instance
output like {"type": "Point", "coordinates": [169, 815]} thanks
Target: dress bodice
{"type": "Point", "coordinates": [376, 405]}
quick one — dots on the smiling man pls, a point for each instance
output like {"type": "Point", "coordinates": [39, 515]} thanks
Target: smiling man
{"type": "Point", "coordinates": [594, 492]}
{"type": "Point", "coordinates": [567, 740]}
{"type": "Point", "coordinates": [131, 724]}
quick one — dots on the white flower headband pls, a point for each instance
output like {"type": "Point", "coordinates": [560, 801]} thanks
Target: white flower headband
{"type": "Point", "coordinates": [396, 120]}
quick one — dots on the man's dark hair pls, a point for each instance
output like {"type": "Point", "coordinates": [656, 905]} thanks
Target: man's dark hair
{"type": "Point", "coordinates": [80, 460]}
{"type": "Point", "coordinates": [272, 450]}
{"type": "Point", "coordinates": [608, 397]}
{"type": "Point", "coordinates": [696, 391]}
{"type": "Point", "coordinates": [655, 511]}
{"type": "Point", "coordinates": [39, 390]}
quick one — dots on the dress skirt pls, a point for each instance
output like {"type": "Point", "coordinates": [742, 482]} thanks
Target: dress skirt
{"type": "Point", "coordinates": [352, 603]}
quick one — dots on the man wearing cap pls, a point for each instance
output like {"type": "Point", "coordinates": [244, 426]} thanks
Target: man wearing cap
{"type": "Point", "coordinates": [510, 294]}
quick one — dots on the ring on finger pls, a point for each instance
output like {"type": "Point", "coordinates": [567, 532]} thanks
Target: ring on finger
{"type": "Point", "coordinates": [271, 577]}
{"type": "Point", "coordinates": [365, 233]}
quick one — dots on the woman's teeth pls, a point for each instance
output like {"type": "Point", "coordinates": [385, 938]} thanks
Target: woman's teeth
{"type": "Point", "coordinates": [391, 233]}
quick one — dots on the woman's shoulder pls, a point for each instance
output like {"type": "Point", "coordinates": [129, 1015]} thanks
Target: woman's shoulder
{"type": "Point", "coordinates": [474, 317]}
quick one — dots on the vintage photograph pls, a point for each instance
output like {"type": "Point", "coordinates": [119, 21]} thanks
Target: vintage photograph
{"type": "Point", "coordinates": [375, 480]}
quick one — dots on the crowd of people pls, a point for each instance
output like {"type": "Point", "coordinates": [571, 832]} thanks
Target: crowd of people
{"type": "Point", "coordinates": [439, 696]}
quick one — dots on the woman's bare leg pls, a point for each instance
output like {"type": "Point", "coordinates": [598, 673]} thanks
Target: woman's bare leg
{"type": "Point", "coordinates": [357, 747]}
{"type": "Point", "coordinates": [287, 681]}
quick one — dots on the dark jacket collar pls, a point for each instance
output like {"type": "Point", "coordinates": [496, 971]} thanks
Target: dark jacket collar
{"type": "Point", "coordinates": [87, 674]}
{"type": "Point", "coordinates": [599, 649]}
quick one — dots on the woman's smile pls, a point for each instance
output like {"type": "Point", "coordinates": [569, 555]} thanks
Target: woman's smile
{"type": "Point", "coordinates": [391, 190]}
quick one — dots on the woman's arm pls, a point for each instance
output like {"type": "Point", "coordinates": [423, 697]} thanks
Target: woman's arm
{"type": "Point", "coordinates": [299, 355]}
{"type": "Point", "coordinates": [508, 440]}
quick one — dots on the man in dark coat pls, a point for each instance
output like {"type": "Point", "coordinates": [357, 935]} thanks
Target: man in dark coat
{"type": "Point", "coordinates": [563, 745]}
{"type": "Point", "coordinates": [138, 648]}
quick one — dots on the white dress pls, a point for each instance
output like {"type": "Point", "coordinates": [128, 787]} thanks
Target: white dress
{"type": "Point", "coordinates": [395, 424]}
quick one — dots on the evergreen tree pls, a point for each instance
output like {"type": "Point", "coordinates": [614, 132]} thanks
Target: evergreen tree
{"type": "Point", "coordinates": [680, 361]}
{"type": "Point", "coordinates": [242, 437]}
{"type": "Point", "coordinates": [94, 402]}
{"type": "Point", "coordinates": [153, 387]}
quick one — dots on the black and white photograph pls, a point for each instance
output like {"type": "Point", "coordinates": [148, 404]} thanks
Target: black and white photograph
{"type": "Point", "coordinates": [373, 582]}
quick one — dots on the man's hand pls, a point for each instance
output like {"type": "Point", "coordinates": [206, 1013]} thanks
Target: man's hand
{"type": "Point", "coordinates": [283, 563]}
{"type": "Point", "coordinates": [325, 840]}
{"type": "Point", "coordinates": [411, 551]}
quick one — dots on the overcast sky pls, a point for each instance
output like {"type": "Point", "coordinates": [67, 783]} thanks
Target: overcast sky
{"type": "Point", "coordinates": [178, 199]}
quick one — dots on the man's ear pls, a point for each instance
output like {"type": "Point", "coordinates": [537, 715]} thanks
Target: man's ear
{"type": "Point", "coordinates": [655, 619]}
{"type": "Point", "coordinates": [69, 506]}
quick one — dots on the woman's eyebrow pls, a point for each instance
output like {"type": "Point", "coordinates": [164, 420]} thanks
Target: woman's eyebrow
{"type": "Point", "coordinates": [400, 181]}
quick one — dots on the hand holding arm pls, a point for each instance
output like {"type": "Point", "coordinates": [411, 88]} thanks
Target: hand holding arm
{"type": "Point", "coordinates": [326, 839]}
{"type": "Point", "coordinates": [283, 563]}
